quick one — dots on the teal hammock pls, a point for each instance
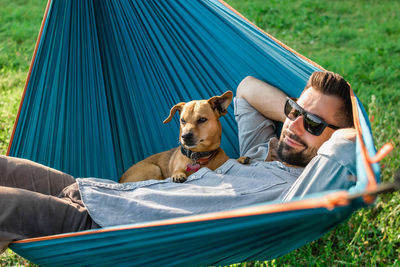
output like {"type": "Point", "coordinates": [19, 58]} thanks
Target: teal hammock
{"type": "Point", "coordinates": [103, 78]}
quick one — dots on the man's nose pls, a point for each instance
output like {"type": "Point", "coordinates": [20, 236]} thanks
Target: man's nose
{"type": "Point", "coordinates": [297, 126]}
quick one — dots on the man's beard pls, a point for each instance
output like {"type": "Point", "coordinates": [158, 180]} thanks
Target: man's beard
{"type": "Point", "coordinates": [289, 155]}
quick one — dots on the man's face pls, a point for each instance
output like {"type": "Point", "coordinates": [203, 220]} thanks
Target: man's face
{"type": "Point", "coordinates": [296, 145]}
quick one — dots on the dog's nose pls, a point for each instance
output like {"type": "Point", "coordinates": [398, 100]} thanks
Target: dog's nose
{"type": "Point", "coordinates": [187, 137]}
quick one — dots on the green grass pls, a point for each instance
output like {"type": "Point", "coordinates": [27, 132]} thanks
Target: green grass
{"type": "Point", "coordinates": [358, 39]}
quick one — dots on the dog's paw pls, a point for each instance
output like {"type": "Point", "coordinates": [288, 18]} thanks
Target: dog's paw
{"type": "Point", "coordinates": [179, 177]}
{"type": "Point", "coordinates": [244, 160]}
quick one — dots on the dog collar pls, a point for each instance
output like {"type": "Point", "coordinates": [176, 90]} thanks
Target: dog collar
{"type": "Point", "coordinates": [201, 158]}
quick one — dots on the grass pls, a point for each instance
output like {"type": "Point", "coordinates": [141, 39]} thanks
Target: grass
{"type": "Point", "coordinates": [358, 39]}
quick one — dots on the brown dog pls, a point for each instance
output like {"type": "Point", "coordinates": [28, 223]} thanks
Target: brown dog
{"type": "Point", "coordinates": [200, 138]}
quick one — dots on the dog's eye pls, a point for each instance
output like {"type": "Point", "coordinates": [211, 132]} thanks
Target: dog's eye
{"type": "Point", "coordinates": [183, 121]}
{"type": "Point", "coordinates": [201, 120]}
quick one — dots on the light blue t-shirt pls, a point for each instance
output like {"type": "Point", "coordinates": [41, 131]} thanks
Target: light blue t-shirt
{"type": "Point", "coordinates": [231, 186]}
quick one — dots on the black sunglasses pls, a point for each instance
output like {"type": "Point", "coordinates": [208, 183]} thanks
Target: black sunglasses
{"type": "Point", "coordinates": [312, 123]}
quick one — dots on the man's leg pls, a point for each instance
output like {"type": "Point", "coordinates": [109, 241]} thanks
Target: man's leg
{"type": "Point", "coordinates": [26, 174]}
{"type": "Point", "coordinates": [29, 206]}
{"type": "Point", "coordinates": [26, 214]}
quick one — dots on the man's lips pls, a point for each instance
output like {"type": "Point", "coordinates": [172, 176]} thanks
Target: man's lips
{"type": "Point", "coordinates": [292, 143]}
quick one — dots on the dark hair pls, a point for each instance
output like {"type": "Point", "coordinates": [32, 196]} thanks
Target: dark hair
{"type": "Point", "coordinates": [330, 83]}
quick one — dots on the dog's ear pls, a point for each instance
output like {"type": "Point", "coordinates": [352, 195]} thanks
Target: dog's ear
{"type": "Point", "coordinates": [177, 107]}
{"type": "Point", "coordinates": [221, 103]}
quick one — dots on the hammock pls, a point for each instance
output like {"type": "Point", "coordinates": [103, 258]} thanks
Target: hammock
{"type": "Point", "coordinates": [102, 79]}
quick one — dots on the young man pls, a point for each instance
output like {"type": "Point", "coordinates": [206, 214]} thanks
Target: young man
{"type": "Point", "coordinates": [37, 201]}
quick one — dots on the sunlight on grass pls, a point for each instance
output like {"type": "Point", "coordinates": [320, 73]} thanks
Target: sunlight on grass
{"type": "Point", "coordinates": [358, 39]}
{"type": "Point", "coordinates": [11, 259]}
{"type": "Point", "coordinates": [11, 87]}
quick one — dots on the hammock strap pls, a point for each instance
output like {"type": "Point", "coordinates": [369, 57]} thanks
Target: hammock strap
{"type": "Point", "coordinates": [367, 160]}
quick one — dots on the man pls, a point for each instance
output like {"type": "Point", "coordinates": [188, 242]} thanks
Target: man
{"type": "Point", "coordinates": [325, 97]}
{"type": "Point", "coordinates": [37, 201]}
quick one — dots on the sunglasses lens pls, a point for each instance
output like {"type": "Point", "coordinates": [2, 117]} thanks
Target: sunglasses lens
{"type": "Point", "coordinates": [291, 111]}
{"type": "Point", "coordinates": [313, 124]}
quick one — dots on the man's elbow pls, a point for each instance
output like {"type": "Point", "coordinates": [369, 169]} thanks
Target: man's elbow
{"type": "Point", "coordinates": [242, 90]}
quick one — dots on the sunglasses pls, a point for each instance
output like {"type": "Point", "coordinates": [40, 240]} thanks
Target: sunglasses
{"type": "Point", "coordinates": [312, 123]}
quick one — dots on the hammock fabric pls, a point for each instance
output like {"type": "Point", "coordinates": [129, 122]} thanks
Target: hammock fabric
{"type": "Point", "coordinates": [103, 78]}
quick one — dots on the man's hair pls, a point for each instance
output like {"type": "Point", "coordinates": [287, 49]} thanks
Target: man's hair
{"type": "Point", "coordinates": [330, 83]}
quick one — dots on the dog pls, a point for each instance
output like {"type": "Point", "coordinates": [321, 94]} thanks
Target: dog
{"type": "Point", "coordinates": [200, 138]}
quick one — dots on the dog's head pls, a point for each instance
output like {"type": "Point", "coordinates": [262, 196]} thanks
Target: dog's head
{"type": "Point", "coordinates": [200, 128]}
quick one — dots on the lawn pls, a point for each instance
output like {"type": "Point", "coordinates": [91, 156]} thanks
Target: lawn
{"type": "Point", "coordinates": [358, 39]}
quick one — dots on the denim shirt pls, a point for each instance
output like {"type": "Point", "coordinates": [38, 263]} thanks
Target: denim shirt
{"type": "Point", "coordinates": [231, 186]}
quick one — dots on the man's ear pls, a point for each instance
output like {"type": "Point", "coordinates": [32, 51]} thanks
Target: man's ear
{"type": "Point", "coordinates": [177, 107]}
{"type": "Point", "coordinates": [221, 103]}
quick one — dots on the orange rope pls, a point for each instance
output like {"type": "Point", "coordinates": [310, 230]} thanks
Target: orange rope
{"type": "Point", "coordinates": [367, 160]}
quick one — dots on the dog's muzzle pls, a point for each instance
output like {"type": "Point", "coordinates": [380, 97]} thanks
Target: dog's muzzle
{"type": "Point", "coordinates": [188, 139]}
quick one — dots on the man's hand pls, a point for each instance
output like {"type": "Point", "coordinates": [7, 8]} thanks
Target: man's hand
{"type": "Point", "coordinates": [347, 133]}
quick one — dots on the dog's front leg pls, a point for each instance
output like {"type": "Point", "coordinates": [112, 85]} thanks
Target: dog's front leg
{"type": "Point", "coordinates": [177, 167]}
{"type": "Point", "coordinates": [179, 177]}
{"type": "Point", "coordinates": [244, 160]}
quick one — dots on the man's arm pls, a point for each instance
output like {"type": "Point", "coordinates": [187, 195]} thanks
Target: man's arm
{"type": "Point", "coordinates": [267, 99]}
{"type": "Point", "coordinates": [334, 167]}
